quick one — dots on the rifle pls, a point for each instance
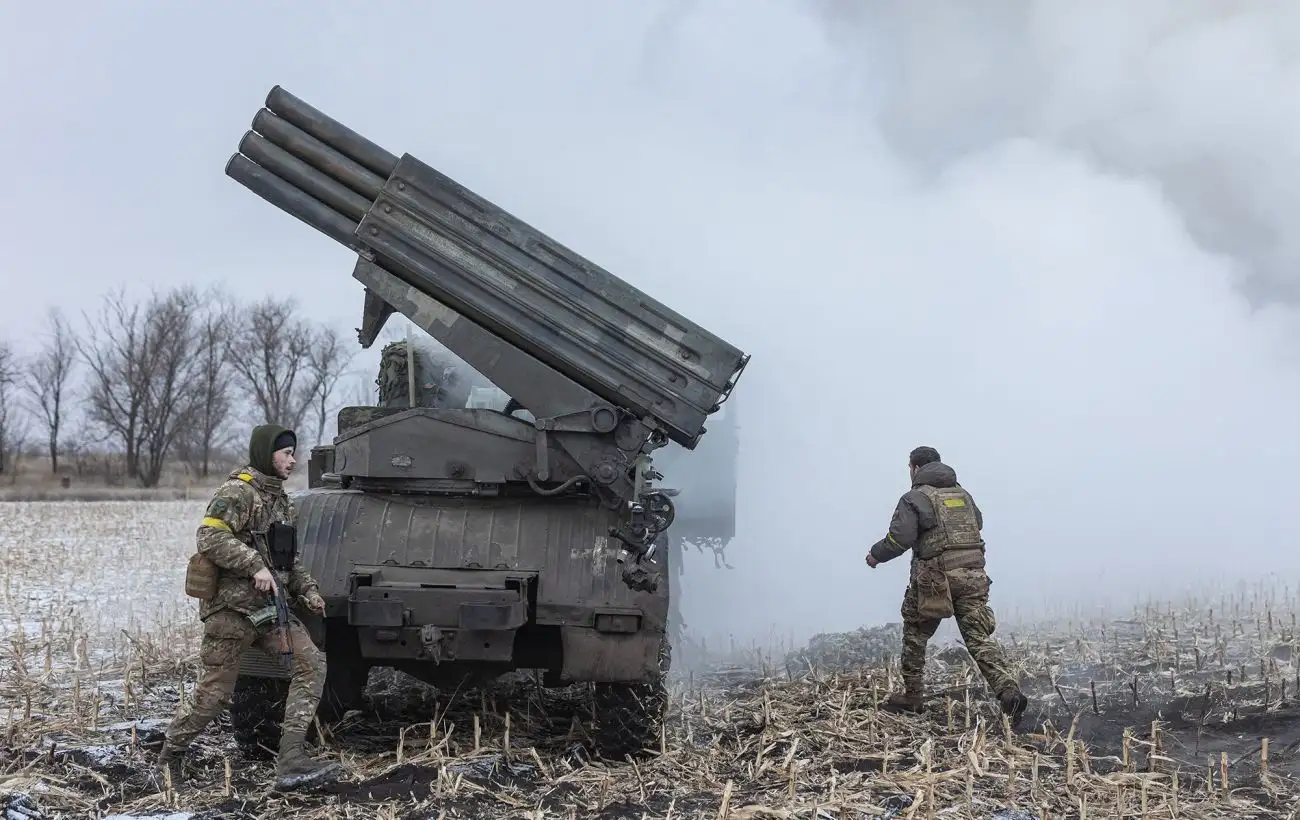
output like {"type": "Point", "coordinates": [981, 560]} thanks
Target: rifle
{"type": "Point", "coordinates": [278, 545]}
{"type": "Point", "coordinates": [282, 626]}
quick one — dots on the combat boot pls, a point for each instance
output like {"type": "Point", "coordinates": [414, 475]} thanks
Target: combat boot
{"type": "Point", "coordinates": [171, 762]}
{"type": "Point", "coordinates": [295, 770]}
{"type": "Point", "coordinates": [911, 699]}
{"type": "Point", "coordinates": [1013, 702]}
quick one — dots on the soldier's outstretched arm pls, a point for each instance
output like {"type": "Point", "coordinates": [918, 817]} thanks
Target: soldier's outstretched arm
{"type": "Point", "coordinates": [228, 513]}
{"type": "Point", "coordinates": [904, 528]}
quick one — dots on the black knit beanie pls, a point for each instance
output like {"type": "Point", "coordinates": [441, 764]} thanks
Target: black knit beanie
{"type": "Point", "coordinates": [264, 441]}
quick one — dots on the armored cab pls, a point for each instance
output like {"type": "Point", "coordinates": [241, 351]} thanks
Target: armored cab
{"type": "Point", "coordinates": [501, 515]}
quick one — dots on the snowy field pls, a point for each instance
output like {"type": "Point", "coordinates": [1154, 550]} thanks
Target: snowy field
{"type": "Point", "coordinates": [86, 575]}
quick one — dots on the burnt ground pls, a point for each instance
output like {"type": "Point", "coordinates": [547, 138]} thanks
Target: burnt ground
{"type": "Point", "coordinates": [1206, 697]}
{"type": "Point", "coordinates": [1190, 730]}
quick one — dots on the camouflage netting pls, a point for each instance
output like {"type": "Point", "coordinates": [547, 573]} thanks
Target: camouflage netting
{"type": "Point", "coordinates": [437, 382]}
{"type": "Point", "coordinates": [841, 651]}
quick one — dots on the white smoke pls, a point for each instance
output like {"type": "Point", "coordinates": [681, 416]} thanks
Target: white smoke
{"type": "Point", "coordinates": [1195, 97]}
{"type": "Point", "coordinates": [1053, 242]}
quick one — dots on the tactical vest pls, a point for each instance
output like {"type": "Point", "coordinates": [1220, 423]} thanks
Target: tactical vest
{"type": "Point", "coordinates": [955, 527]}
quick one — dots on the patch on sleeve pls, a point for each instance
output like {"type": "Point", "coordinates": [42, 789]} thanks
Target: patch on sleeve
{"type": "Point", "coordinates": [218, 507]}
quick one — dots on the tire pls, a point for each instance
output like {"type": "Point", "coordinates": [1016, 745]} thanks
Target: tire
{"type": "Point", "coordinates": [629, 716]}
{"type": "Point", "coordinates": [256, 710]}
{"type": "Point", "coordinates": [346, 673]}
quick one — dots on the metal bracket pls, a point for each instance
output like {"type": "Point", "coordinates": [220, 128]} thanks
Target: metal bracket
{"type": "Point", "coordinates": [599, 420]}
{"type": "Point", "coordinates": [374, 315]}
{"type": "Point", "coordinates": [431, 640]}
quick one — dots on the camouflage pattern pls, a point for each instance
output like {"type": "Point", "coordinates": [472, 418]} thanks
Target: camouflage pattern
{"type": "Point", "coordinates": [437, 381]}
{"type": "Point", "coordinates": [915, 517]}
{"type": "Point", "coordinates": [249, 501]}
{"type": "Point", "coordinates": [938, 519]}
{"type": "Point", "coordinates": [226, 636]}
{"type": "Point", "coordinates": [350, 417]}
{"type": "Point", "coordinates": [976, 622]}
{"type": "Point", "coordinates": [956, 527]}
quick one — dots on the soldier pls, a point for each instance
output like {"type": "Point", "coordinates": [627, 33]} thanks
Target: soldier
{"type": "Point", "coordinates": [248, 503]}
{"type": "Point", "coordinates": [938, 520]}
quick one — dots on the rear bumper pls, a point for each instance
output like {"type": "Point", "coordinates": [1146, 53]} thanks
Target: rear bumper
{"type": "Point", "coordinates": [405, 616]}
{"type": "Point", "coordinates": [575, 653]}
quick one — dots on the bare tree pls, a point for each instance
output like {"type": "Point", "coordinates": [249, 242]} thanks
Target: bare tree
{"type": "Point", "coordinates": [142, 373]}
{"type": "Point", "coordinates": [12, 428]}
{"type": "Point", "coordinates": [171, 369]}
{"type": "Point", "coordinates": [76, 452]}
{"type": "Point", "coordinates": [112, 349]}
{"type": "Point", "coordinates": [47, 381]}
{"type": "Point", "coordinates": [270, 354]}
{"type": "Point", "coordinates": [213, 394]}
{"type": "Point", "coordinates": [327, 362]}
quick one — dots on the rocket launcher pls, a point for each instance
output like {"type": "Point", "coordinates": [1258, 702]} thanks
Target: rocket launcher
{"type": "Point", "coordinates": [606, 370]}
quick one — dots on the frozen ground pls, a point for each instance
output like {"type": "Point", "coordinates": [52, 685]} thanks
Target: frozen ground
{"type": "Point", "coordinates": [97, 649]}
{"type": "Point", "coordinates": [85, 571]}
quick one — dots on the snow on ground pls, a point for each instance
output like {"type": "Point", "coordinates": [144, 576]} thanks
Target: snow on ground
{"type": "Point", "coordinates": [78, 574]}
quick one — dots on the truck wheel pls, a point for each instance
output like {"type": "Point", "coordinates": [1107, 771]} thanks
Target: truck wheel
{"type": "Point", "coordinates": [629, 715]}
{"type": "Point", "coordinates": [256, 709]}
{"type": "Point", "coordinates": [346, 673]}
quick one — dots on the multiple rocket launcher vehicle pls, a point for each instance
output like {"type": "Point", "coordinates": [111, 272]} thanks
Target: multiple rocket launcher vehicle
{"type": "Point", "coordinates": [455, 542]}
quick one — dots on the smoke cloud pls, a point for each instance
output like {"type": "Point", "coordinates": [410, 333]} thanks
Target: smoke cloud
{"type": "Point", "coordinates": [1052, 240]}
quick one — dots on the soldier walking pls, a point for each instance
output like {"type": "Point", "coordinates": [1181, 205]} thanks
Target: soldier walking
{"type": "Point", "coordinates": [939, 521]}
{"type": "Point", "coordinates": [231, 534]}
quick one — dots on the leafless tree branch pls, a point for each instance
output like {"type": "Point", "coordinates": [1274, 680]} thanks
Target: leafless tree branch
{"type": "Point", "coordinates": [12, 426]}
{"type": "Point", "coordinates": [327, 363]}
{"type": "Point", "coordinates": [112, 350]}
{"type": "Point", "coordinates": [142, 374]}
{"type": "Point", "coordinates": [171, 369]}
{"type": "Point", "coordinates": [271, 356]}
{"type": "Point", "coordinates": [213, 392]}
{"type": "Point", "coordinates": [47, 381]}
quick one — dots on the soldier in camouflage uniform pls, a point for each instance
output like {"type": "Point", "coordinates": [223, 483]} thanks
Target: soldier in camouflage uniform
{"type": "Point", "coordinates": [938, 519]}
{"type": "Point", "coordinates": [249, 502]}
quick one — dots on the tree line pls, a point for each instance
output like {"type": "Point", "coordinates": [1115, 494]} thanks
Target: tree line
{"type": "Point", "coordinates": [178, 375]}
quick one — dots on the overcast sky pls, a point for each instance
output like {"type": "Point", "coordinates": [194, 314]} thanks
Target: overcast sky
{"type": "Point", "coordinates": [1055, 240]}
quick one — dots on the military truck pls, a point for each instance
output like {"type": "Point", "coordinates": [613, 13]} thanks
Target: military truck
{"type": "Point", "coordinates": [453, 541]}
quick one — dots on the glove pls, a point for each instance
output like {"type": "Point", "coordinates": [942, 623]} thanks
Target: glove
{"type": "Point", "coordinates": [314, 603]}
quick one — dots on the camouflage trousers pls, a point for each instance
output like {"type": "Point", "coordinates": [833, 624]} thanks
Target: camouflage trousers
{"type": "Point", "coordinates": [975, 621]}
{"type": "Point", "coordinates": [226, 635]}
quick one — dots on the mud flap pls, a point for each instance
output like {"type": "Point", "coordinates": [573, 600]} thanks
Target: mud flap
{"type": "Point", "coordinates": [590, 655]}
{"type": "Point", "coordinates": [629, 716]}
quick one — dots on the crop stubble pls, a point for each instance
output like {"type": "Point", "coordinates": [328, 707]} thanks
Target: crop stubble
{"type": "Point", "coordinates": [1163, 713]}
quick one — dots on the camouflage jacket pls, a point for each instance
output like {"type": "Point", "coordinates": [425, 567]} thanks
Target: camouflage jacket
{"type": "Point", "coordinates": [248, 502]}
{"type": "Point", "coordinates": [917, 523]}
